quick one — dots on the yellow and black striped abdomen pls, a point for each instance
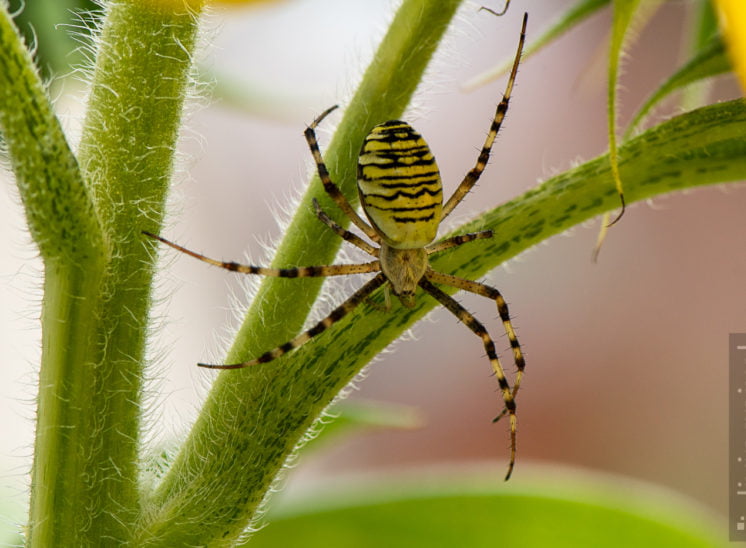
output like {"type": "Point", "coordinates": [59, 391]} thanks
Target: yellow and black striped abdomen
{"type": "Point", "coordinates": [399, 184]}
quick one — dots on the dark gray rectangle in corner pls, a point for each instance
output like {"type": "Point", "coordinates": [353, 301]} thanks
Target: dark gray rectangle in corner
{"type": "Point", "coordinates": [737, 435]}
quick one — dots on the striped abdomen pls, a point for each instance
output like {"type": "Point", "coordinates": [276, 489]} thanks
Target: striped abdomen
{"type": "Point", "coordinates": [399, 185]}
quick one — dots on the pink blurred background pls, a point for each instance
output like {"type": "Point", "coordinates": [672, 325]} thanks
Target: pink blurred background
{"type": "Point", "coordinates": [627, 358]}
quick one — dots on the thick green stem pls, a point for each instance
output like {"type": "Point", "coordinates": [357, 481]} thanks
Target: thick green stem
{"type": "Point", "coordinates": [62, 511]}
{"type": "Point", "coordinates": [245, 433]}
{"type": "Point", "coordinates": [65, 226]}
{"type": "Point", "coordinates": [59, 210]}
{"type": "Point", "coordinates": [126, 151]}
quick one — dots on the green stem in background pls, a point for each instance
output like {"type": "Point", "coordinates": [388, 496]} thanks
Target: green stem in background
{"type": "Point", "coordinates": [701, 31]}
{"type": "Point", "coordinates": [245, 433]}
{"type": "Point", "coordinates": [624, 11]}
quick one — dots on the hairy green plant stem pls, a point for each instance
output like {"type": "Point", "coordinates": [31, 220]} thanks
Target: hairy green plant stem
{"type": "Point", "coordinates": [64, 224]}
{"type": "Point", "coordinates": [58, 206]}
{"type": "Point", "coordinates": [86, 222]}
{"type": "Point", "coordinates": [130, 131]}
{"type": "Point", "coordinates": [245, 434]}
{"type": "Point", "coordinates": [60, 486]}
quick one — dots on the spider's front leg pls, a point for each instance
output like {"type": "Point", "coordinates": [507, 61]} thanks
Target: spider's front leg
{"type": "Point", "coordinates": [329, 186]}
{"type": "Point", "coordinates": [293, 272]}
{"type": "Point", "coordinates": [343, 233]}
{"type": "Point", "coordinates": [502, 108]}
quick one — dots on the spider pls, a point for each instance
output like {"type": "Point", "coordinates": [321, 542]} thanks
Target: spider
{"type": "Point", "coordinates": [401, 194]}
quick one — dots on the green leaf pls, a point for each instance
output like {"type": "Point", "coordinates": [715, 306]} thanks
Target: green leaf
{"type": "Point", "coordinates": [562, 509]}
{"type": "Point", "coordinates": [702, 29]}
{"type": "Point", "coordinates": [704, 25]}
{"type": "Point", "coordinates": [357, 415]}
{"type": "Point", "coordinates": [624, 12]}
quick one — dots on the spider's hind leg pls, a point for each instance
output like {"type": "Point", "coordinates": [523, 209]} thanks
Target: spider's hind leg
{"type": "Point", "coordinates": [502, 309]}
{"type": "Point", "coordinates": [479, 330]}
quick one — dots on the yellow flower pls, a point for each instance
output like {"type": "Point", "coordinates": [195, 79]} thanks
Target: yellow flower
{"type": "Point", "coordinates": [732, 15]}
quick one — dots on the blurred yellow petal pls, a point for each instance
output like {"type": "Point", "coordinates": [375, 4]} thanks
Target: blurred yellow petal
{"type": "Point", "coordinates": [176, 6]}
{"type": "Point", "coordinates": [732, 14]}
{"type": "Point", "coordinates": [197, 5]}
{"type": "Point", "coordinates": [242, 2]}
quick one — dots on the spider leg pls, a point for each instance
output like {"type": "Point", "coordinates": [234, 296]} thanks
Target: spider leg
{"type": "Point", "coordinates": [297, 272]}
{"type": "Point", "coordinates": [498, 13]}
{"type": "Point", "coordinates": [454, 241]}
{"type": "Point", "coordinates": [473, 176]}
{"type": "Point", "coordinates": [329, 186]}
{"type": "Point", "coordinates": [502, 309]}
{"type": "Point", "coordinates": [479, 330]}
{"type": "Point", "coordinates": [337, 314]}
{"type": "Point", "coordinates": [346, 235]}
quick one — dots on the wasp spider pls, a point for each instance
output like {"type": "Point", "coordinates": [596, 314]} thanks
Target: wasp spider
{"type": "Point", "coordinates": [402, 196]}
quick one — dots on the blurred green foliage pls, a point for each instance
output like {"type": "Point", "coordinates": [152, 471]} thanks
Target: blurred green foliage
{"type": "Point", "coordinates": [562, 508]}
{"type": "Point", "coordinates": [54, 27]}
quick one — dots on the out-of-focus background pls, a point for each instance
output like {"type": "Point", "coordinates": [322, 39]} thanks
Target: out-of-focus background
{"type": "Point", "coordinates": [627, 358]}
